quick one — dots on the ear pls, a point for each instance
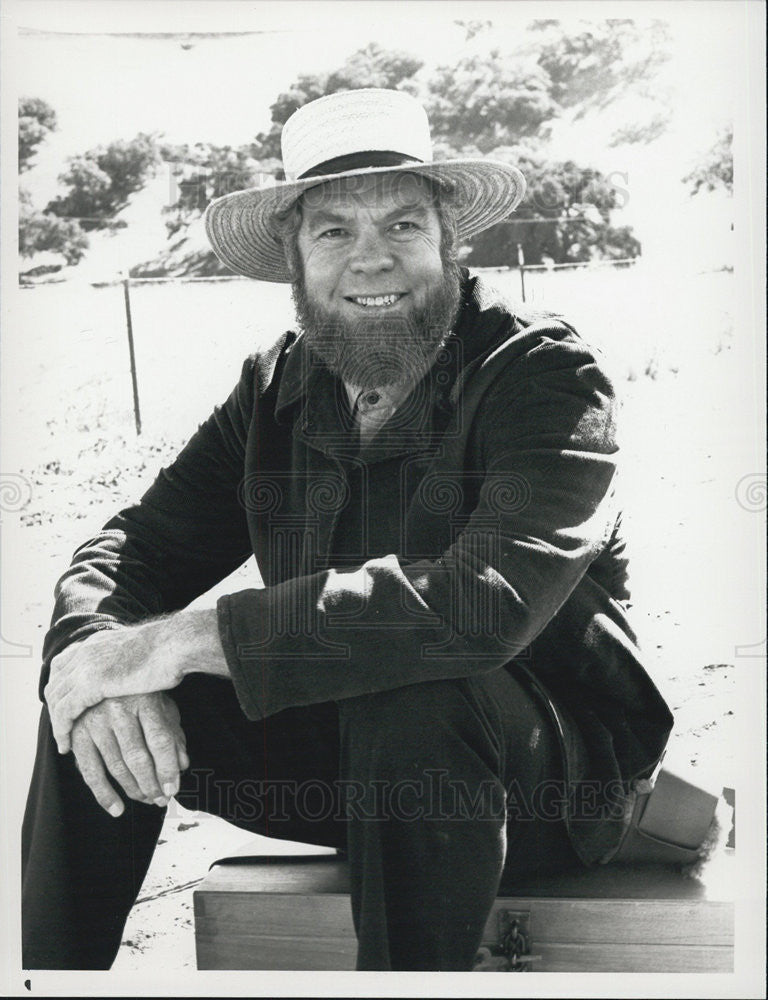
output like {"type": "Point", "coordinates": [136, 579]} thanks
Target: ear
{"type": "Point", "coordinates": [291, 255]}
{"type": "Point", "coordinates": [293, 263]}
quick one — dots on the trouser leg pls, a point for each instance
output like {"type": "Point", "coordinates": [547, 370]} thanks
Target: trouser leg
{"type": "Point", "coordinates": [427, 771]}
{"type": "Point", "coordinates": [82, 869]}
{"type": "Point", "coordinates": [276, 777]}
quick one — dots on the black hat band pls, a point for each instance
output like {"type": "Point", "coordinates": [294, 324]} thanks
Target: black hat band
{"type": "Point", "coordinates": [359, 160]}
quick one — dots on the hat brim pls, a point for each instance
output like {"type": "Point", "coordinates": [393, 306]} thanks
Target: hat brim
{"type": "Point", "coordinates": [243, 233]}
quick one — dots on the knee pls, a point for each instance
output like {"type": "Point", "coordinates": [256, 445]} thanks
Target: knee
{"type": "Point", "coordinates": [420, 752]}
{"type": "Point", "coordinates": [402, 732]}
{"type": "Point", "coordinates": [403, 716]}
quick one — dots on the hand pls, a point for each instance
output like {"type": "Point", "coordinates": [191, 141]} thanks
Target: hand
{"type": "Point", "coordinates": [139, 742]}
{"type": "Point", "coordinates": [136, 659]}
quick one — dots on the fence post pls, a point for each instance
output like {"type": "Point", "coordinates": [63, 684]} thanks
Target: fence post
{"type": "Point", "coordinates": [132, 353]}
{"type": "Point", "coordinates": [521, 265]}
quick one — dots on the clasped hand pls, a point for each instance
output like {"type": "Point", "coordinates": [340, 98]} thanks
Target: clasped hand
{"type": "Point", "coordinates": [138, 742]}
{"type": "Point", "coordinates": [109, 664]}
{"type": "Point", "coordinates": [106, 700]}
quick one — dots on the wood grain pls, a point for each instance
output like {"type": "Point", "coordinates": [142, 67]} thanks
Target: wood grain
{"type": "Point", "coordinates": [294, 913]}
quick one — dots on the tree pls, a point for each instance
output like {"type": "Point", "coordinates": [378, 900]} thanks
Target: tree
{"type": "Point", "coordinates": [36, 120]}
{"type": "Point", "coordinates": [101, 181]}
{"type": "Point", "coordinates": [565, 216]}
{"type": "Point", "coordinates": [488, 100]}
{"type": "Point", "coordinates": [716, 169]}
{"type": "Point", "coordinates": [597, 63]}
{"type": "Point", "coordinates": [642, 131]}
{"type": "Point", "coordinates": [371, 66]}
{"type": "Point", "coordinates": [487, 104]}
{"type": "Point", "coordinates": [206, 171]}
{"type": "Point", "coordinates": [374, 66]}
{"type": "Point", "coordinates": [473, 27]}
{"type": "Point", "coordinates": [604, 61]}
{"type": "Point", "coordinates": [39, 232]}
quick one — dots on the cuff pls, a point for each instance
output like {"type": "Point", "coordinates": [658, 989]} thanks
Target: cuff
{"type": "Point", "coordinates": [248, 681]}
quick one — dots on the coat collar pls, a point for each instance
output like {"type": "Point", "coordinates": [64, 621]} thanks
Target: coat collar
{"type": "Point", "coordinates": [482, 315]}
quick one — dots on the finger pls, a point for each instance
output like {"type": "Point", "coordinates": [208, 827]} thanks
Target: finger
{"type": "Point", "coordinates": [61, 727]}
{"type": "Point", "coordinates": [162, 740]}
{"type": "Point", "coordinates": [112, 756]}
{"type": "Point", "coordinates": [138, 758]}
{"type": "Point", "coordinates": [91, 768]}
{"type": "Point", "coordinates": [173, 716]}
{"type": "Point", "coordinates": [64, 711]}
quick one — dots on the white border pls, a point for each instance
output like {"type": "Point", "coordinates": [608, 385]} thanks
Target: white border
{"type": "Point", "coordinates": [205, 15]}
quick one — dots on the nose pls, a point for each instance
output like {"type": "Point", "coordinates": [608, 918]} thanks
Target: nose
{"type": "Point", "coordinates": [371, 253]}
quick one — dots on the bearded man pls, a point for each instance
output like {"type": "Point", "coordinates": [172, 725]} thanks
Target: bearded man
{"type": "Point", "coordinates": [427, 481]}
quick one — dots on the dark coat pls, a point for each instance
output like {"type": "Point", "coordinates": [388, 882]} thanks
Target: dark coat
{"type": "Point", "coordinates": [479, 530]}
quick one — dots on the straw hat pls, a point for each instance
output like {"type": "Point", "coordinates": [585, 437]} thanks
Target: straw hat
{"type": "Point", "coordinates": [357, 132]}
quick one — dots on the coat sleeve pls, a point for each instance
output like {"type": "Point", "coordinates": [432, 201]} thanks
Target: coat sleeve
{"type": "Point", "coordinates": [544, 429]}
{"type": "Point", "coordinates": [188, 532]}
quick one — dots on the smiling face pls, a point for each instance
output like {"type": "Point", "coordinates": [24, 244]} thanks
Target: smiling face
{"type": "Point", "coordinates": [370, 245]}
{"type": "Point", "coordinates": [374, 293]}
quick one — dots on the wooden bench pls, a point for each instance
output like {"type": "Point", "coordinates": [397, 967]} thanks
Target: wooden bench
{"type": "Point", "coordinates": [293, 913]}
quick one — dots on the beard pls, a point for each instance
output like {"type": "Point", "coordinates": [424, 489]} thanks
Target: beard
{"type": "Point", "coordinates": [380, 351]}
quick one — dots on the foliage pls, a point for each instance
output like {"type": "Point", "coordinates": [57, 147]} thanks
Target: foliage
{"type": "Point", "coordinates": [565, 217]}
{"type": "Point", "coordinates": [205, 171]}
{"type": "Point", "coordinates": [716, 169]}
{"type": "Point", "coordinates": [36, 120]}
{"type": "Point", "coordinates": [642, 132]}
{"type": "Point", "coordinates": [592, 66]}
{"type": "Point", "coordinates": [101, 181]}
{"type": "Point", "coordinates": [39, 232]}
{"type": "Point", "coordinates": [371, 66]}
{"type": "Point", "coordinates": [497, 102]}
{"type": "Point", "coordinates": [473, 27]}
{"type": "Point", "coordinates": [488, 100]}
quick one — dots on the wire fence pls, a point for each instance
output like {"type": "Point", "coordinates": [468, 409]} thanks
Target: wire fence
{"type": "Point", "coordinates": [522, 269]}
{"type": "Point", "coordinates": [125, 351]}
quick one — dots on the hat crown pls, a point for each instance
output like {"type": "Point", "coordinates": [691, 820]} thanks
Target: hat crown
{"type": "Point", "coordinates": [354, 121]}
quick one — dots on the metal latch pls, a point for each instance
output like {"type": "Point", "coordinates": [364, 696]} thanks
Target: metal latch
{"type": "Point", "coordinates": [513, 951]}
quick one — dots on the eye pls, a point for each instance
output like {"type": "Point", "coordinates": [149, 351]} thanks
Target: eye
{"type": "Point", "coordinates": [333, 234]}
{"type": "Point", "coordinates": [404, 226]}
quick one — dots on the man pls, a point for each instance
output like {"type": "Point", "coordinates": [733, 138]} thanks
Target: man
{"type": "Point", "coordinates": [427, 482]}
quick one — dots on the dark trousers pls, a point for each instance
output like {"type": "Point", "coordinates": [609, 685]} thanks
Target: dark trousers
{"type": "Point", "coordinates": [437, 791]}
